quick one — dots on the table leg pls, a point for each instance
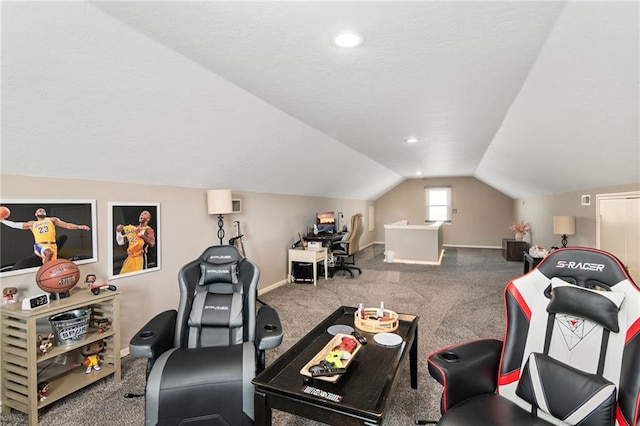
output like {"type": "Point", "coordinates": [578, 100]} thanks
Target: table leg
{"type": "Point", "coordinates": [413, 361]}
{"type": "Point", "coordinates": [315, 272]}
{"type": "Point", "coordinates": [326, 267]}
{"type": "Point", "coordinates": [261, 410]}
{"type": "Point", "coordinates": [289, 276]}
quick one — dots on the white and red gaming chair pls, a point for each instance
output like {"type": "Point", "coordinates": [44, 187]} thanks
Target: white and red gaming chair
{"type": "Point", "coordinates": [570, 354]}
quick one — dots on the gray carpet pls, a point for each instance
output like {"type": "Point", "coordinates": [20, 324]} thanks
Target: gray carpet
{"type": "Point", "coordinates": [456, 301]}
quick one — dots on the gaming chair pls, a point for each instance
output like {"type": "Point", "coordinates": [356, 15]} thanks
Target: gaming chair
{"type": "Point", "coordinates": [570, 354]}
{"type": "Point", "coordinates": [202, 357]}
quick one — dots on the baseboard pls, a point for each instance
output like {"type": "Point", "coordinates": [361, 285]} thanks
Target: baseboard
{"type": "Point", "coordinates": [369, 245]}
{"type": "Point", "coordinates": [452, 245]}
{"type": "Point", "coordinates": [267, 289]}
{"type": "Point", "coordinates": [471, 246]}
{"type": "Point", "coordinates": [124, 352]}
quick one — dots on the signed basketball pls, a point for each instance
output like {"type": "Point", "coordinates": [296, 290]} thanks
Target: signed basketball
{"type": "Point", "coordinates": [57, 276]}
{"type": "Point", "coordinates": [4, 212]}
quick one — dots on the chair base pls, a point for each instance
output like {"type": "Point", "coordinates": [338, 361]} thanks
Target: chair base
{"type": "Point", "coordinates": [342, 265]}
{"type": "Point", "coordinates": [345, 268]}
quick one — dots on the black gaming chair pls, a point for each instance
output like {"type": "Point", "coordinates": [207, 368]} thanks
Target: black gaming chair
{"type": "Point", "coordinates": [202, 357]}
{"type": "Point", "coordinates": [570, 355]}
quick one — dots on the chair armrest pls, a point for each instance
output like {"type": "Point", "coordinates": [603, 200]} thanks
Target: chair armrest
{"type": "Point", "coordinates": [155, 337]}
{"type": "Point", "coordinates": [268, 328]}
{"type": "Point", "coordinates": [466, 370]}
{"type": "Point", "coordinates": [340, 245]}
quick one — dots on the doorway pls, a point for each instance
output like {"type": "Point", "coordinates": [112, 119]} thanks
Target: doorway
{"type": "Point", "coordinates": [618, 228]}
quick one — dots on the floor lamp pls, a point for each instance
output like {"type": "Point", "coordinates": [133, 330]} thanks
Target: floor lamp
{"type": "Point", "coordinates": [564, 225]}
{"type": "Point", "coordinates": [219, 202]}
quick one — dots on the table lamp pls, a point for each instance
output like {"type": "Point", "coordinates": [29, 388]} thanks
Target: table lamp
{"type": "Point", "coordinates": [219, 202]}
{"type": "Point", "coordinates": [564, 225]}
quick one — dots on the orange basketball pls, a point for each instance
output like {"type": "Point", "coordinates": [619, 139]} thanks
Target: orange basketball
{"type": "Point", "coordinates": [57, 276]}
{"type": "Point", "coordinates": [4, 212]}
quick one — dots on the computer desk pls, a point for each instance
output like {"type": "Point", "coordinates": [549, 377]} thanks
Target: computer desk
{"type": "Point", "coordinates": [326, 239]}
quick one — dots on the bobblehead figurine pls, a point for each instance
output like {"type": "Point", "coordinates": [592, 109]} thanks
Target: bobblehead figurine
{"type": "Point", "coordinates": [43, 388]}
{"type": "Point", "coordinates": [44, 343]}
{"type": "Point", "coordinates": [91, 352]}
{"type": "Point", "coordinates": [9, 295]}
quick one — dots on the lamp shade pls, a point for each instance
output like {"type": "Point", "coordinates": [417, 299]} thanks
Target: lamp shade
{"type": "Point", "coordinates": [219, 201]}
{"type": "Point", "coordinates": [564, 225]}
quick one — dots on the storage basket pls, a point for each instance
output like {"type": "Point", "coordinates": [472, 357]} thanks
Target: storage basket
{"type": "Point", "coordinates": [388, 323]}
{"type": "Point", "coordinates": [70, 327]}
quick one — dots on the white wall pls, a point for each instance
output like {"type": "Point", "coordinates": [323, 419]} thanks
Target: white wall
{"type": "Point", "coordinates": [539, 212]}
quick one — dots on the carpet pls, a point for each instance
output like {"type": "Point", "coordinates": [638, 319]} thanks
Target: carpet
{"type": "Point", "coordinates": [459, 300]}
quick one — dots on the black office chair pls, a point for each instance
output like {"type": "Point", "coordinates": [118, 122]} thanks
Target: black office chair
{"type": "Point", "coordinates": [570, 356]}
{"type": "Point", "coordinates": [202, 357]}
{"type": "Point", "coordinates": [346, 249]}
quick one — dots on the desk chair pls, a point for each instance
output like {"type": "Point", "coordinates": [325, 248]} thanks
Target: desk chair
{"type": "Point", "coordinates": [347, 248]}
{"type": "Point", "coordinates": [569, 356]}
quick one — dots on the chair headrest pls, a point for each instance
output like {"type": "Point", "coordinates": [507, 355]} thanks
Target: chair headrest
{"type": "Point", "coordinates": [219, 264]}
{"type": "Point", "coordinates": [600, 307]}
{"type": "Point", "coordinates": [584, 267]}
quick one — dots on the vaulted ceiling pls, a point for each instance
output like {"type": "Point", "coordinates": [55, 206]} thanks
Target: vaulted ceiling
{"type": "Point", "coordinates": [530, 97]}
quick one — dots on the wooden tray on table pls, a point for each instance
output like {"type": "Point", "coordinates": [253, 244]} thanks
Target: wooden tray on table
{"type": "Point", "coordinates": [328, 348]}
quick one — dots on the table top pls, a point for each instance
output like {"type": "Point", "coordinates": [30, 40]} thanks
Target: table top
{"type": "Point", "coordinates": [325, 237]}
{"type": "Point", "coordinates": [367, 383]}
{"type": "Point", "coordinates": [529, 256]}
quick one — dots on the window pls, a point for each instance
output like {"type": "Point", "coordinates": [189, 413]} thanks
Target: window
{"type": "Point", "coordinates": [438, 204]}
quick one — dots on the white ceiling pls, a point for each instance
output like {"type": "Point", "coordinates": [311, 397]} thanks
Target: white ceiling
{"type": "Point", "coordinates": [530, 97]}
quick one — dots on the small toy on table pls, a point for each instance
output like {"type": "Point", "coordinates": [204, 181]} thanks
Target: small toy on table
{"type": "Point", "coordinates": [44, 343]}
{"type": "Point", "coordinates": [90, 281]}
{"type": "Point", "coordinates": [9, 295]}
{"type": "Point", "coordinates": [102, 324]}
{"type": "Point", "coordinates": [43, 388]}
{"type": "Point", "coordinates": [91, 352]}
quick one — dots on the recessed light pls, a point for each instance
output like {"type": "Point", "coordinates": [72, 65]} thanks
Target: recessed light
{"type": "Point", "coordinates": [348, 39]}
{"type": "Point", "coordinates": [412, 140]}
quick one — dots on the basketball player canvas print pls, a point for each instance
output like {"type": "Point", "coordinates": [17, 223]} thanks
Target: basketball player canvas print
{"type": "Point", "coordinates": [134, 243]}
{"type": "Point", "coordinates": [33, 232]}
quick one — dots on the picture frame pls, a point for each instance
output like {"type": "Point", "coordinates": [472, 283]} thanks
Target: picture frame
{"type": "Point", "coordinates": [17, 254]}
{"type": "Point", "coordinates": [136, 250]}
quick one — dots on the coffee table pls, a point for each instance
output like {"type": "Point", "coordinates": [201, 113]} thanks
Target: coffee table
{"type": "Point", "coordinates": [365, 387]}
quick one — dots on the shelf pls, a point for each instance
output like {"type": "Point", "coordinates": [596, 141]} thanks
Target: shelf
{"type": "Point", "coordinates": [72, 381]}
{"type": "Point", "coordinates": [91, 336]}
{"type": "Point", "coordinates": [21, 356]}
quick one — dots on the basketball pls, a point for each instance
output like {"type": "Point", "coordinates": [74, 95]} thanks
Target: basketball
{"type": "Point", "coordinates": [4, 212]}
{"type": "Point", "coordinates": [57, 276]}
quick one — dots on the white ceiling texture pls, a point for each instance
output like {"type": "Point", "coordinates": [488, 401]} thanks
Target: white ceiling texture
{"type": "Point", "coordinates": [531, 98]}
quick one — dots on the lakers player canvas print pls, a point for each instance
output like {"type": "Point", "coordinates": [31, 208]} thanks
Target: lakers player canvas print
{"type": "Point", "coordinates": [33, 232]}
{"type": "Point", "coordinates": [133, 239]}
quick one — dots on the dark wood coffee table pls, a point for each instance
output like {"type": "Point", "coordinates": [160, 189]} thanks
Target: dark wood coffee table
{"type": "Point", "coordinates": [365, 387]}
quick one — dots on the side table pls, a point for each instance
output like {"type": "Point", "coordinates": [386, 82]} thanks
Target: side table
{"type": "Point", "coordinates": [511, 249]}
{"type": "Point", "coordinates": [530, 262]}
{"type": "Point", "coordinates": [309, 256]}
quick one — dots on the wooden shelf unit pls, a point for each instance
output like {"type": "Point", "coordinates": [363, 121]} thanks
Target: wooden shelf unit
{"type": "Point", "coordinates": [21, 355]}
